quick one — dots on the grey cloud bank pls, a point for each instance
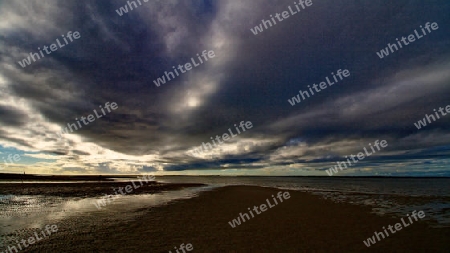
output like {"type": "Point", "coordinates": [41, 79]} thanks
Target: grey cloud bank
{"type": "Point", "coordinates": [187, 66]}
{"type": "Point", "coordinates": [411, 38]}
{"type": "Point", "coordinates": [323, 85]}
{"type": "Point", "coordinates": [53, 47]}
{"type": "Point", "coordinates": [120, 57]}
{"type": "Point", "coordinates": [302, 5]}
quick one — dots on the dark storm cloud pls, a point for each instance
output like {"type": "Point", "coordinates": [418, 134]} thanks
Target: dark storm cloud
{"type": "Point", "coordinates": [250, 79]}
{"type": "Point", "coordinates": [12, 117]}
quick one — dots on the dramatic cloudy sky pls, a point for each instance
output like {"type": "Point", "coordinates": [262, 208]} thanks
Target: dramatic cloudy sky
{"type": "Point", "coordinates": [250, 79]}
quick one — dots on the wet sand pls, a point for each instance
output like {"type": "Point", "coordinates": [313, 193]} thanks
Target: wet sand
{"type": "Point", "coordinates": [90, 189]}
{"type": "Point", "coordinates": [303, 223]}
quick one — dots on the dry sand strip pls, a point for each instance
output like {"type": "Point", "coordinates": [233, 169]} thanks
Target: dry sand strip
{"type": "Point", "coordinates": [305, 223]}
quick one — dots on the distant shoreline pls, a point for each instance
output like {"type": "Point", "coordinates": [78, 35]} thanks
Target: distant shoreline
{"type": "Point", "coordinates": [110, 178]}
{"type": "Point", "coordinates": [13, 176]}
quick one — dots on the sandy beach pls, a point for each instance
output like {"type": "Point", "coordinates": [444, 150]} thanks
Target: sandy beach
{"type": "Point", "coordinates": [302, 223]}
